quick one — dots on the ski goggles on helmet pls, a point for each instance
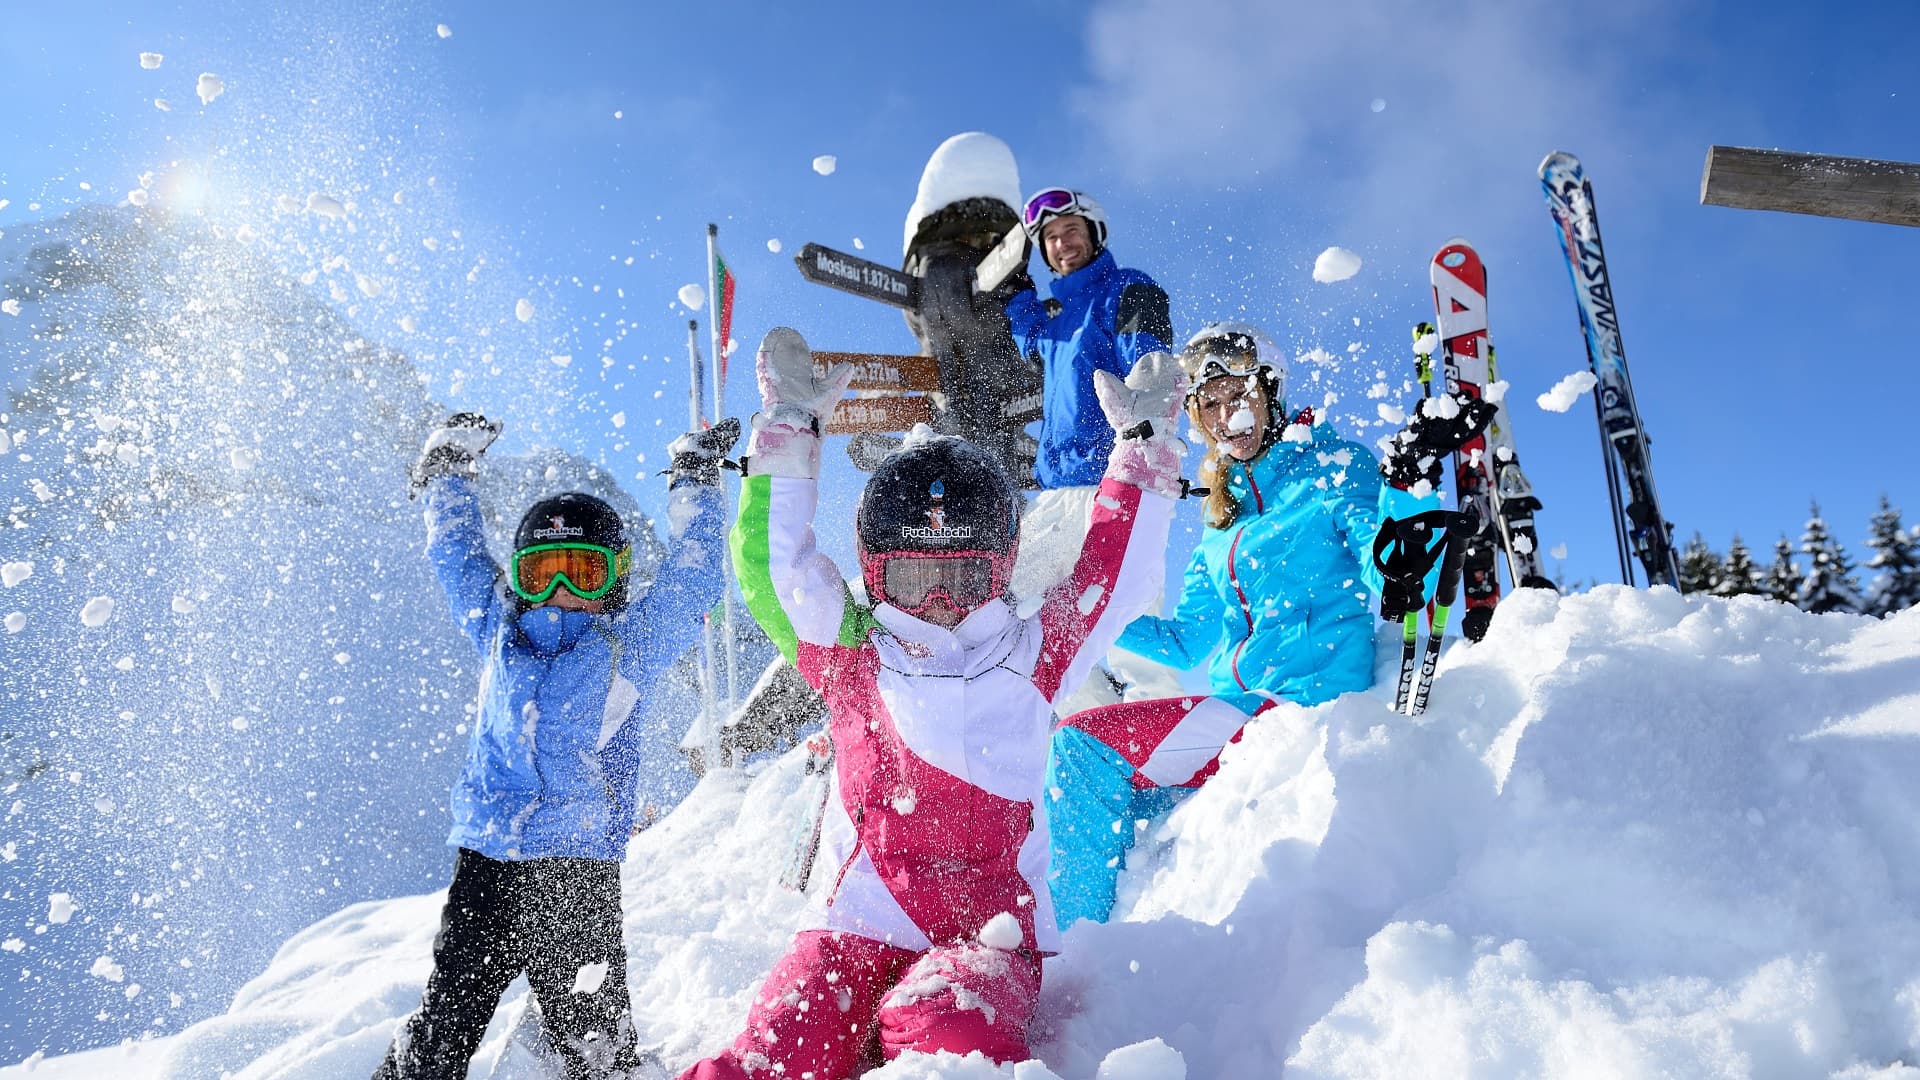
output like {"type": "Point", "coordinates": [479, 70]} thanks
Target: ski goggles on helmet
{"type": "Point", "coordinates": [1047, 205]}
{"type": "Point", "coordinates": [589, 571]}
{"type": "Point", "coordinates": [1231, 353]}
{"type": "Point", "coordinates": [909, 580]}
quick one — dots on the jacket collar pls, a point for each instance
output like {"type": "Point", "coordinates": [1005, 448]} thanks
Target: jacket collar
{"type": "Point", "coordinates": [1086, 279]}
{"type": "Point", "coordinates": [550, 631]}
{"type": "Point", "coordinates": [920, 646]}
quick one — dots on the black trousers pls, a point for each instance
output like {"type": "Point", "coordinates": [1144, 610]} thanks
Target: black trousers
{"type": "Point", "coordinates": [549, 918]}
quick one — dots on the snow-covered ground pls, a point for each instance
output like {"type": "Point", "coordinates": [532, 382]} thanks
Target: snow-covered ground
{"type": "Point", "coordinates": [1636, 835]}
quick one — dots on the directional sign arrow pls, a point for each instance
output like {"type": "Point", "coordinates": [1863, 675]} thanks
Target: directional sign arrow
{"type": "Point", "coordinates": [825, 266]}
{"type": "Point", "coordinates": [851, 415]}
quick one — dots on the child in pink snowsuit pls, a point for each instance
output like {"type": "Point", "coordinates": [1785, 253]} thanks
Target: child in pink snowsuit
{"type": "Point", "coordinates": [930, 931]}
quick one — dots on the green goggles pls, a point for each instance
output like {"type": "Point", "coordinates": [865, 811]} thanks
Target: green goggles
{"type": "Point", "coordinates": [589, 571]}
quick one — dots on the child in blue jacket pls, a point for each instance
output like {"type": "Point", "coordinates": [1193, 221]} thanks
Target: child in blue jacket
{"type": "Point", "coordinates": [545, 805]}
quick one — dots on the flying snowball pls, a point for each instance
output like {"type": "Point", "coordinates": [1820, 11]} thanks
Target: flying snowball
{"type": "Point", "coordinates": [137, 197]}
{"type": "Point", "coordinates": [97, 611]}
{"type": "Point", "coordinates": [1391, 413]}
{"type": "Point", "coordinates": [773, 246]}
{"type": "Point", "coordinates": [693, 297]}
{"type": "Point", "coordinates": [14, 573]}
{"type": "Point", "coordinates": [1559, 550]}
{"type": "Point", "coordinates": [825, 164]}
{"type": "Point", "coordinates": [151, 60]}
{"type": "Point", "coordinates": [16, 621]}
{"type": "Point", "coordinates": [209, 87]}
{"type": "Point", "coordinates": [104, 968]}
{"type": "Point", "coordinates": [325, 206]}
{"type": "Point", "coordinates": [561, 361]}
{"type": "Point", "coordinates": [59, 907]}
{"type": "Point", "coordinates": [10, 306]}
{"type": "Point", "coordinates": [523, 309]}
{"type": "Point", "coordinates": [161, 104]}
{"type": "Point", "coordinates": [1002, 932]}
{"type": "Point", "coordinates": [444, 31]}
{"type": "Point", "coordinates": [1426, 343]}
{"type": "Point", "coordinates": [1378, 105]}
{"type": "Point", "coordinates": [1567, 391]}
{"type": "Point", "coordinates": [1335, 264]}
{"type": "Point", "coordinates": [243, 458]}
{"type": "Point", "coordinates": [183, 605]}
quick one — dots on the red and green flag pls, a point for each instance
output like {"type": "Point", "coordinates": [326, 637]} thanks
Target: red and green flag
{"type": "Point", "coordinates": [722, 306]}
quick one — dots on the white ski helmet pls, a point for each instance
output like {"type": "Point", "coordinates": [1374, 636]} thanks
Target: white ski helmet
{"type": "Point", "coordinates": [1049, 203]}
{"type": "Point", "coordinates": [1235, 348]}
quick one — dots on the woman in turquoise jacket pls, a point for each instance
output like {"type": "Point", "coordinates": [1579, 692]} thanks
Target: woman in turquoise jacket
{"type": "Point", "coordinates": [1280, 594]}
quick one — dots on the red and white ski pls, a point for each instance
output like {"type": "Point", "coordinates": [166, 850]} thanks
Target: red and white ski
{"type": "Point", "coordinates": [1487, 472]}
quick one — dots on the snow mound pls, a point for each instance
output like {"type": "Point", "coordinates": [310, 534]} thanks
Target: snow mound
{"type": "Point", "coordinates": [1635, 835]}
{"type": "Point", "coordinates": [970, 165]}
{"type": "Point", "coordinates": [1335, 264]}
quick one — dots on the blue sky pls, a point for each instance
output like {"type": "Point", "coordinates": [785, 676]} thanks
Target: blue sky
{"type": "Point", "coordinates": [1231, 141]}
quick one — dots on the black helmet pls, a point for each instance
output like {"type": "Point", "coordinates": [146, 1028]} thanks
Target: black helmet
{"type": "Point", "coordinates": [940, 495]}
{"type": "Point", "coordinates": [573, 518]}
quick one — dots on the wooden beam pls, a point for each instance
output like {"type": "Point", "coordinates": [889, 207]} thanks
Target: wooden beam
{"type": "Point", "coordinates": [1860, 189]}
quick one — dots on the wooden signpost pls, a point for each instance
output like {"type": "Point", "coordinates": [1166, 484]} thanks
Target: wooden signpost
{"type": "Point", "coordinates": [825, 266]}
{"type": "Point", "coordinates": [1860, 189]}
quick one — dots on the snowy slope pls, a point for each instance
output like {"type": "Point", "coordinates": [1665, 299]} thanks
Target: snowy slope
{"type": "Point", "coordinates": [1636, 835]}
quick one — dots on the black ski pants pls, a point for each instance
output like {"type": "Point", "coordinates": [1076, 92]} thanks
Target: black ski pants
{"type": "Point", "coordinates": [548, 918]}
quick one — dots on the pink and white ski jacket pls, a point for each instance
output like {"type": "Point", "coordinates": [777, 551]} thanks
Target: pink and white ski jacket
{"type": "Point", "coordinates": [938, 821]}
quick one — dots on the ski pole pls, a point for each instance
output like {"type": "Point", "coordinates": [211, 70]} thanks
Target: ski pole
{"type": "Point", "coordinates": [1464, 524]}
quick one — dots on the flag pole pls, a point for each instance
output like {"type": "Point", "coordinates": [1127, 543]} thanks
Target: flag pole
{"type": "Point", "coordinates": [716, 295]}
{"type": "Point", "coordinates": [706, 731]}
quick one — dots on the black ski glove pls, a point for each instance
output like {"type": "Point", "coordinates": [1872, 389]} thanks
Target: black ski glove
{"type": "Point", "coordinates": [453, 449]}
{"type": "Point", "coordinates": [698, 456]}
{"type": "Point", "coordinates": [1440, 426]}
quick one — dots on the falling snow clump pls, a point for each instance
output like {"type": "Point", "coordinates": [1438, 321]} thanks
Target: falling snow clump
{"type": "Point", "coordinates": [209, 87]}
{"type": "Point", "coordinates": [1335, 264]}
{"type": "Point", "coordinates": [1567, 391]}
{"type": "Point", "coordinates": [97, 611]}
{"type": "Point", "coordinates": [693, 297]}
{"type": "Point", "coordinates": [151, 60]}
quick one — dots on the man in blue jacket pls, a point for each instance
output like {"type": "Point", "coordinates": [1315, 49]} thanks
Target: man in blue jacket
{"type": "Point", "coordinates": [545, 805]}
{"type": "Point", "coordinates": [1102, 317]}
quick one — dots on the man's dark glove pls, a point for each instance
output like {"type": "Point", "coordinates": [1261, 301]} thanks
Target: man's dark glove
{"type": "Point", "coordinates": [1440, 426]}
{"type": "Point", "coordinates": [697, 456]}
{"type": "Point", "coordinates": [453, 449]}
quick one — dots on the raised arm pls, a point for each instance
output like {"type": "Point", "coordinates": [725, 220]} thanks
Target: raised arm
{"type": "Point", "coordinates": [1121, 564]}
{"type": "Point", "coordinates": [794, 591]}
{"type": "Point", "coordinates": [667, 622]}
{"type": "Point", "coordinates": [456, 539]}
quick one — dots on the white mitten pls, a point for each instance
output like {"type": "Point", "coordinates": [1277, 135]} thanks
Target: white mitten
{"type": "Point", "coordinates": [1143, 412]}
{"type": "Point", "coordinates": [786, 431]}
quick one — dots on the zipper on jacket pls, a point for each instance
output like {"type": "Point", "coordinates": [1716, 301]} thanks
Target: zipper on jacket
{"type": "Point", "coordinates": [1246, 609]}
{"type": "Point", "coordinates": [859, 843]}
{"type": "Point", "coordinates": [1259, 502]}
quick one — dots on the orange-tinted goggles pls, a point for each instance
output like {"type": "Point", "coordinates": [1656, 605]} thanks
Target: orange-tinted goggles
{"type": "Point", "coordinates": [589, 571]}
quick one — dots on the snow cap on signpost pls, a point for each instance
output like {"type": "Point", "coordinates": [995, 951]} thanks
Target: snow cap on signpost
{"type": "Point", "coordinates": [970, 165]}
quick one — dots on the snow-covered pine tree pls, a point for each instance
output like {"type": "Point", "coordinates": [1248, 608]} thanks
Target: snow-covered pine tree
{"type": "Point", "coordinates": [1897, 559]}
{"type": "Point", "coordinates": [1700, 566]}
{"type": "Point", "coordinates": [1739, 577]}
{"type": "Point", "coordinates": [1829, 584]}
{"type": "Point", "coordinates": [1782, 578]}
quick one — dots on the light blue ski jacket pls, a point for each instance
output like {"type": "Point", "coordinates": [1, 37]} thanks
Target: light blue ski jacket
{"type": "Point", "coordinates": [555, 755]}
{"type": "Point", "coordinates": [1285, 600]}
